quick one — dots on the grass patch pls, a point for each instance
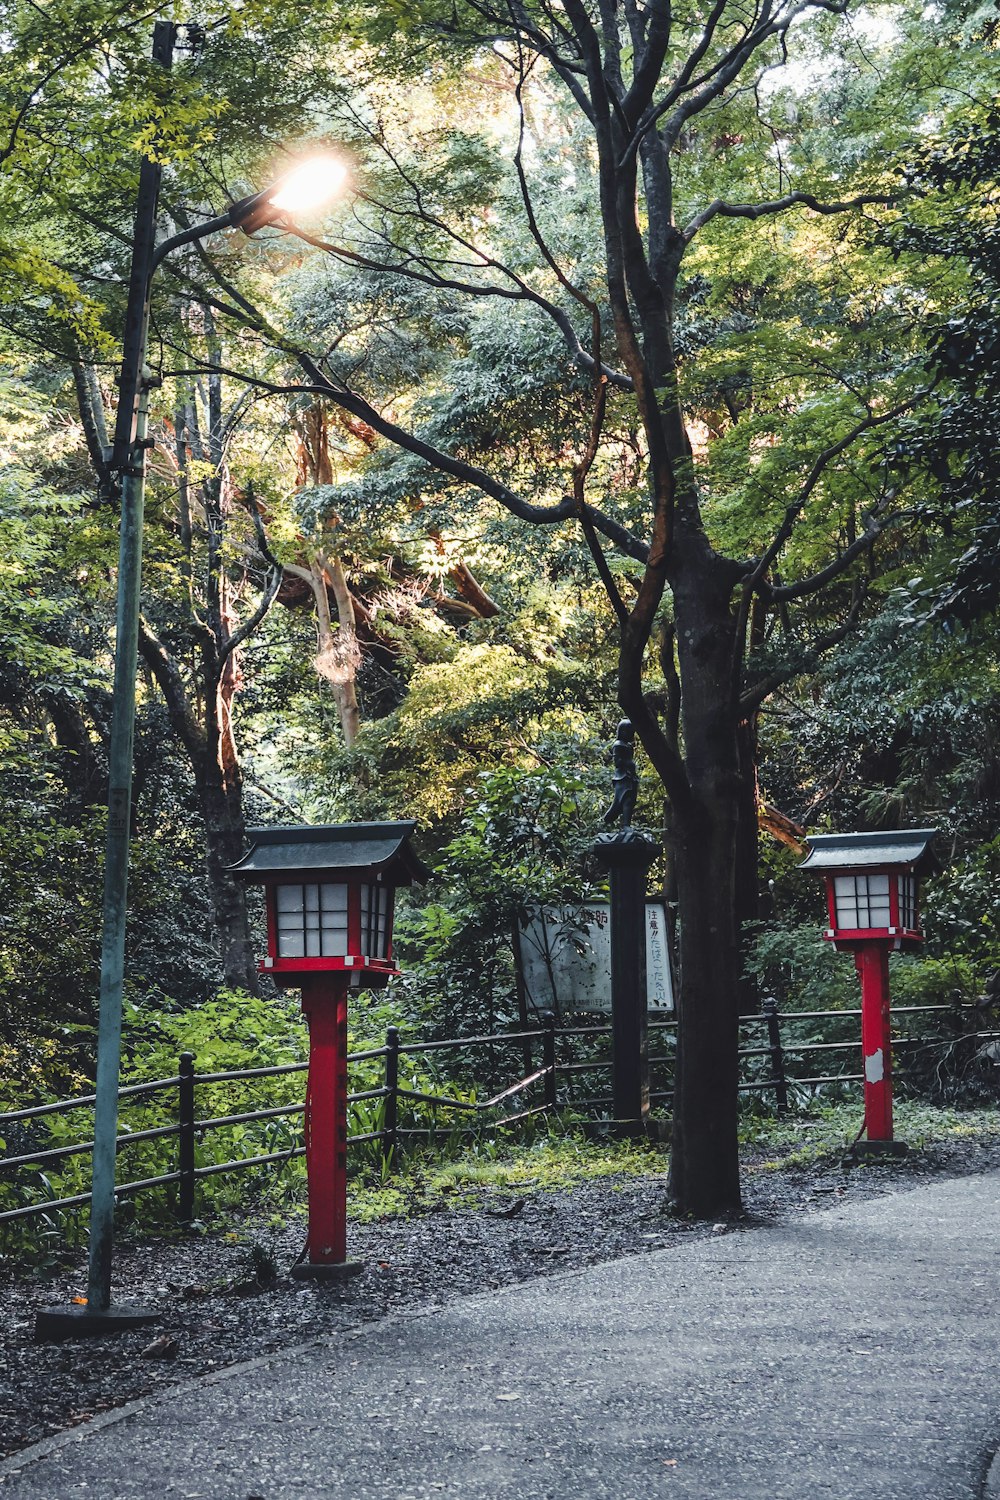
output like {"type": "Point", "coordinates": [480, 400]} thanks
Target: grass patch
{"type": "Point", "coordinates": [504, 1168]}
{"type": "Point", "coordinates": [825, 1130]}
{"type": "Point", "coordinates": [468, 1175]}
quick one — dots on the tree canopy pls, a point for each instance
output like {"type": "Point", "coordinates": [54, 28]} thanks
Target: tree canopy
{"type": "Point", "coordinates": [647, 363]}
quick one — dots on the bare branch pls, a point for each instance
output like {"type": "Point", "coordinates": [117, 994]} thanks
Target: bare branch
{"type": "Point", "coordinates": [604, 572]}
{"type": "Point", "coordinates": [706, 88]}
{"type": "Point", "coordinates": [519, 291]}
{"type": "Point", "coordinates": [817, 581]}
{"type": "Point", "coordinates": [538, 515]}
{"type": "Point", "coordinates": [167, 673]}
{"type": "Point", "coordinates": [720, 208]}
{"type": "Point", "coordinates": [822, 462]}
{"type": "Point", "coordinates": [529, 208]}
{"type": "Point", "coordinates": [234, 641]}
{"type": "Point", "coordinates": [752, 699]}
{"type": "Point", "coordinates": [320, 384]}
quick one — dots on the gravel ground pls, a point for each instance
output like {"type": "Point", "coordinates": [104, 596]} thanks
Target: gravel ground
{"type": "Point", "coordinates": [214, 1311]}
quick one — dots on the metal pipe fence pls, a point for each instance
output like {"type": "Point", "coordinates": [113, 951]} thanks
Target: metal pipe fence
{"type": "Point", "coordinates": [781, 1054]}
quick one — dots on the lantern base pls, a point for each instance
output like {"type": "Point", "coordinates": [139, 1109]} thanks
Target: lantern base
{"type": "Point", "coordinates": [881, 1148]}
{"type": "Point", "coordinates": [54, 1325]}
{"type": "Point", "coordinates": [335, 1270]}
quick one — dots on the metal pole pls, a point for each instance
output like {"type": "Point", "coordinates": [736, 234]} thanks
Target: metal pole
{"type": "Point", "coordinates": [129, 457]}
{"type": "Point", "coordinates": [185, 1139]}
{"type": "Point", "coordinates": [549, 1059]}
{"type": "Point", "coordinates": [390, 1121]}
{"type": "Point", "coordinates": [778, 1079]}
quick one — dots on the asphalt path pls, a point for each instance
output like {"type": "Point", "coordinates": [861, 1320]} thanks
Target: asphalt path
{"type": "Point", "coordinates": [851, 1353]}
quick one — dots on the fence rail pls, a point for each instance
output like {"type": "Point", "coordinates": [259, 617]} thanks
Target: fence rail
{"type": "Point", "coordinates": [776, 1049]}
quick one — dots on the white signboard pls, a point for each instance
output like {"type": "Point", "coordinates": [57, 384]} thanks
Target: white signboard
{"type": "Point", "coordinates": [565, 958]}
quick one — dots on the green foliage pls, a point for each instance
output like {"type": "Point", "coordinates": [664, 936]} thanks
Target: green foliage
{"type": "Point", "coordinates": [823, 1130]}
{"type": "Point", "coordinates": [790, 329]}
{"type": "Point", "coordinates": [795, 966]}
{"type": "Point", "coordinates": [963, 909]}
{"type": "Point", "coordinates": [521, 841]}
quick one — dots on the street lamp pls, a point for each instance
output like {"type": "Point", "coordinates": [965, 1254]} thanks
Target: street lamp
{"type": "Point", "coordinates": [310, 184]}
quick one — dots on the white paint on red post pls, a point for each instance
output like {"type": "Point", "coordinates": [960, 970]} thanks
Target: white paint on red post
{"type": "Point", "coordinates": [875, 1067]}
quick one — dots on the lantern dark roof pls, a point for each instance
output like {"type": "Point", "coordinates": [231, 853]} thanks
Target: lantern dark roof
{"type": "Point", "coordinates": [334, 850]}
{"type": "Point", "coordinates": [858, 851]}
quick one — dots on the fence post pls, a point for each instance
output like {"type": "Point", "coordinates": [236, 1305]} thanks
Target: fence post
{"type": "Point", "coordinates": [185, 1138]}
{"type": "Point", "coordinates": [390, 1115]}
{"type": "Point", "coordinates": [549, 1058]}
{"type": "Point", "coordinates": [770, 1008]}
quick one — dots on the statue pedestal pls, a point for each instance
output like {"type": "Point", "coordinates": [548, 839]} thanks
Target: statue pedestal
{"type": "Point", "coordinates": [627, 855]}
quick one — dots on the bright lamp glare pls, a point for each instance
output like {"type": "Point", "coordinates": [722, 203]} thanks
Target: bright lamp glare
{"type": "Point", "coordinates": [310, 185]}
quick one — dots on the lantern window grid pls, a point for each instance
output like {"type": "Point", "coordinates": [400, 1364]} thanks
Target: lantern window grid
{"type": "Point", "coordinates": [374, 921]}
{"type": "Point", "coordinates": [908, 903]}
{"type": "Point", "coordinates": [311, 921]}
{"type": "Point", "coordinates": [862, 902]}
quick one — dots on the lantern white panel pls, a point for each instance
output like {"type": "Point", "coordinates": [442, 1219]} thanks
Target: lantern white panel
{"type": "Point", "coordinates": [290, 904]}
{"type": "Point", "coordinates": [908, 902]}
{"type": "Point", "coordinates": [333, 925]}
{"type": "Point", "coordinates": [862, 901]}
{"type": "Point", "coordinates": [311, 921]}
{"type": "Point", "coordinates": [374, 921]}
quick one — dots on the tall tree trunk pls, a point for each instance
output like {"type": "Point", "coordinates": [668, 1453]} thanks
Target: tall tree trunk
{"type": "Point", "coordinates": [705, 1158]}
{"type": "Point", "coordinates": [221, 802]}
{"type": "Point", "coordinates": [219, 785]}
{"type": "Point", "coordinates": [704, 1163]}
{"type": "Point", "coordinates": [338, 655]}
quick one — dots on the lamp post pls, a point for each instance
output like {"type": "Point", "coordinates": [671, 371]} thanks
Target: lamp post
{"type": "Point", "coordinates": [307, 186]}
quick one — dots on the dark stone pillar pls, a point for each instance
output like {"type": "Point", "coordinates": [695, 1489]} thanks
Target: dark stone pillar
{"type": "Point", "coordinates": [628, 854]}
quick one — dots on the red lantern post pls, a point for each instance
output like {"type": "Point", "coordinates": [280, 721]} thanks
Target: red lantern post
{"type": "Point", "coordinates": [329, 891]}
{"type": "Point", "coordinates": [872, 897]}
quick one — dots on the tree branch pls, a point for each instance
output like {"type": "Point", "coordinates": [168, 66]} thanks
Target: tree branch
{"type": "Point", "coordinates": [519, 291]}
{"type": "Point", "coordinates": [817, 581]}
{"type": "Point", "coordinates": [538, 515]}
{"type": "Point", "coordinates": [171, 684]}
{"type": "Point", "coordinates": [720, 208]}
{"type": "Point", "coordinates": [234, 641]}
{"type": "Point", "coordinates": [761, 564]}
{"type": "Point", "coordinates": [704, 90]}
{"type": "Point", "coordinates": [752, 699]}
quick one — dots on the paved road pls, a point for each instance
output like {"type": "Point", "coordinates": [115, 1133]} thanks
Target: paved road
{"type": "Point", "coordinates": [853, 1353]}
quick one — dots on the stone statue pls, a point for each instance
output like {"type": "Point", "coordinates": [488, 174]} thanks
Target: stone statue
{"type": "Point", "coordinates": [626, 778]}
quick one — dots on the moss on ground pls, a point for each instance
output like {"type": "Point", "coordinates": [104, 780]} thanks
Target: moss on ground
{"type": "Point", "coordinates": [769, 1144]}
{"type": "Point", "coordinates": [476, 1174]}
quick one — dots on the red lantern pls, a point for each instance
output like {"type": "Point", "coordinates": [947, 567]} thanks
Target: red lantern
{"type": "Point", "coordinates": [872, 891]}
{"type": "Point", "coordinates": [330, 896]}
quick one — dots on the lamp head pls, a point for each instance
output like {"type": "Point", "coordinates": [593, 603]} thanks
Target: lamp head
{"type": "Point", "coordinates": [311, 184]}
